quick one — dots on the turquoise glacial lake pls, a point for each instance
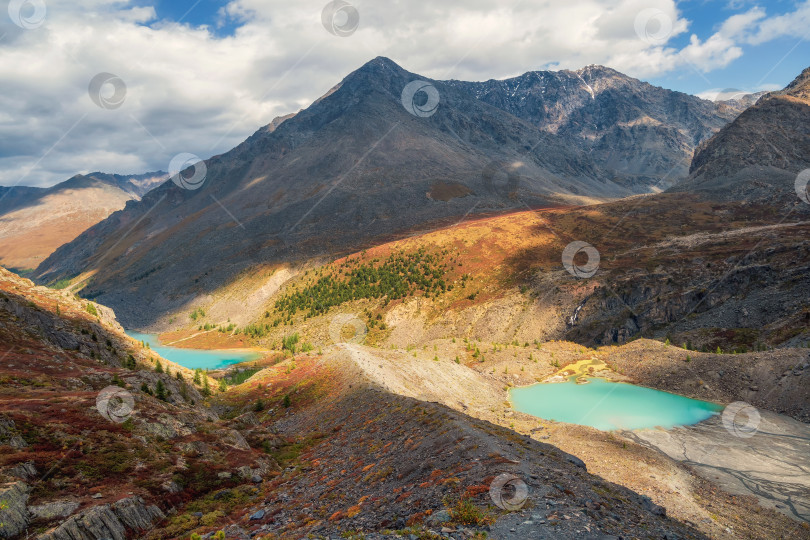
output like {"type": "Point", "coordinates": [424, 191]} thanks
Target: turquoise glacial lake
{"type": "Point", "coordinates": [195, 358]}
{"type": "Point", "coordinates": [610, 406]}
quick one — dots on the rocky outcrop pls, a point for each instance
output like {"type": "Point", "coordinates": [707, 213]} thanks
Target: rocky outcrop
{"type": "Point", "coordinates": [755, 295]}
{"type": "Point", "coordinates": [13, 513]}
{"type": "Point", "coordinates": [100, 338]}
{"type": "Point", "coordinates": [112, 522]}
{"type": "Point", "coordinates": [234, 439]}
{"type": "Point", "coordinates": [9, 435]}
{"type": "Point", "coordinates": [54, 509]}
{"type": "Point", "coordinates": [22, 471]}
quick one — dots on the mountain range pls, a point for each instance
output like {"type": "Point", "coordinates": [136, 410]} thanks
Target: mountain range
{"type": "Point", "coordinates": [357, 166]}
{"type": "Point", "coordinates": [35, 221]}
{"type": "Point", "coordinates": [394, 257]}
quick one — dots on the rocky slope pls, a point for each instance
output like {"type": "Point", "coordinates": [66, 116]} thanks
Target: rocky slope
{"type": "Point", "coordinates": [672, 267]}
{"type": "Point", "coordinates": [356, 167]}
{"type": "Point", "coordinates": [36, 221]}
{"type": "Point", "coordinates": [91, 447]}
{"type": "Point", "coordinates": [760, 153]}
{"type": "Point", "coordinates": [642, 134]}
{"type": "Point", "coordinates": [329, 450]}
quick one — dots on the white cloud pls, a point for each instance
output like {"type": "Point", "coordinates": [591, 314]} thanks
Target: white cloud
{"type": "Point", "coordinates": [189, 90]}
{"type": "Point", "coordinates": [794, 24]}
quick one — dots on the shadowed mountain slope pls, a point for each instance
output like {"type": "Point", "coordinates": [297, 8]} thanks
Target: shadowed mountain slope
{"type": "Point", "coordinates": [759, 154]}
{"type": "Point", "coordinates": [354, 167]}
{"type": "Point", "coordinates": [643, 134]}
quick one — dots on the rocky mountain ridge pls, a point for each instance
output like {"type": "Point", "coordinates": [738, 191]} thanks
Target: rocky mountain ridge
{"type": "Point", "coordinates": [641, 134]}
{"type": "Point", "coordinates": [357, 167]}
{"type": "Point", "coordinates": [759, 154]}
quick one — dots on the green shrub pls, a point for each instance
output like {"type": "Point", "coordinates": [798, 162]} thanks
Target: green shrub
{"type": "Point", "coordinates": [238, 377]}
{"type": "Point", "coordinates": [91, 309]}
{"type": "Point", "coordinates": [290, 343]}
{"type": "Point", "coordinates": [464, 512]}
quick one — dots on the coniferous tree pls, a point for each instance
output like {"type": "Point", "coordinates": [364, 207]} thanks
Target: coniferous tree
{"type": "Point", "coordinates": [160, 391]}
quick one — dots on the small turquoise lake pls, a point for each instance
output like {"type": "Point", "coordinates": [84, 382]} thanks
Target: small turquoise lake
{"type": "Point", "coordinates": [195, 358]}
{"type": "Point", "coordinates": [609, 405]}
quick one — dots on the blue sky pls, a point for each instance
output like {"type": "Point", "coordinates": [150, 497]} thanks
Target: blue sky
{"type": "Point", "coordinates": [199, 76]}
{"type": "Point", "coordinates": [197, 13]}
{"type": "Point", "coordinates": [773, 64]}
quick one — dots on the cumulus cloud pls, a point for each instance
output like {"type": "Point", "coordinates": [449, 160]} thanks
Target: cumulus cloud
{"type": "Point", "coordinates": [190, 89]}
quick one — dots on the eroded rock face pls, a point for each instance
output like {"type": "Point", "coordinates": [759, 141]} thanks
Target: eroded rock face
{"type": "Point", "coordinates": [23, 471]}
{"type": "Point", "coordinates": [94, 339]}
{"type": "Point", "coordinates": [9, 435]}
{"type": "Point", "coordinates": [55, 509]}
{"type": "Point", "coordinates": [107, 521]}
{"type": "Point", "coordinates": [13, 516]}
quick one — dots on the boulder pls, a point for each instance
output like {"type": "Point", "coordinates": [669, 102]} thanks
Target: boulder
{"type": "Point", "coordinates": [578, 462]}
{"type": "Point", "coordinates": [249, 419]}
{"type": "Point", "coordinates": [437, 518]}
{"type": "Point", "coordinates": [651, 507]}
{"type": "Point", "coordinates": [234, 439]}
{"type": "Point", "coordinates": [14, 516]}
{"type": "Point", "coordinates": [23, 471]}
{"type": "Point", "coordinates": [111, 522]}
{"type": "Point", "coordinates": [54, 509]}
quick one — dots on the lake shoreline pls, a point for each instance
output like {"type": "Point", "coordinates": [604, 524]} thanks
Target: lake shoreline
{"type": "Point", "coordinates": [194, 358]}
{"type": "Point", "coordinates": [609, 405]}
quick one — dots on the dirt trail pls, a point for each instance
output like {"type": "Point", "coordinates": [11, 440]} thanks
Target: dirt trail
{"type": "Point", "coordinates": [694, 240]}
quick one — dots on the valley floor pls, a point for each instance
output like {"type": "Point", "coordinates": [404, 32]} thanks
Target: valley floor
{"type": "Point", "coordinates": [677, 468]}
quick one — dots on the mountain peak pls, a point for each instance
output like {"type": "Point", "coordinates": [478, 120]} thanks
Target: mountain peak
{"type": "Point", "coordinates": [380, 64]}
{"type": "Point", "coordinates": [600, 70]}
{"type": "Point", "coordinates": [800, 86]}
